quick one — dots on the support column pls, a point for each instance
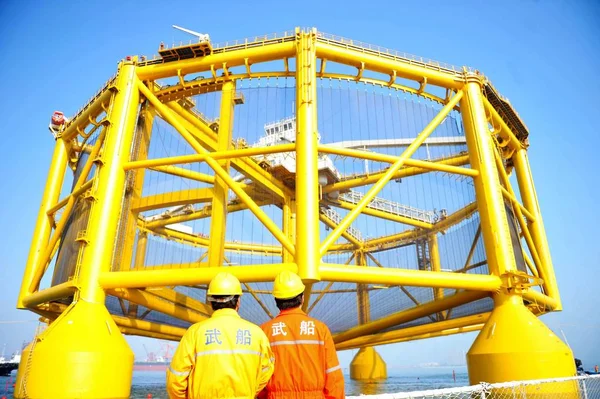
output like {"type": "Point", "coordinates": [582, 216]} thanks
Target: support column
{"type": "Point", "coordinates": [83, 352]}
{"type": "Point", "coordinates": [362, 294]}
{"type": "Point", "coordinates": [106, 210]}
{"type": "Point", "coordinates": [140, 250]}
{"type": "Point", "coordinates": [43, 226]}
{"type": "Point", "coordinates": [490, 203]}
{"type": "Point", "coordinates": [536, 228]}
{"type": "Point", "coordinates": [307, 172]}
{"type": "Point", "coordinates": [138, 264]}
{"type": "Point", "coordinates": [289, 225]}
{"type": "Point", "coordinates": [367, 364]}
{"type": "Point", "coordinates": [513, 344]}
{"type": "Point", "coordinates": [436, 266]}
{"type": "Point", "coordinates": [218, 218]}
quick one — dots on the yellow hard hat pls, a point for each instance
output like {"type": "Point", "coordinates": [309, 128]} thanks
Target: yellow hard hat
{"type": "Point", "coordinates": [287, 285]}
{"type": "Point", "coordinates": [224, 284]}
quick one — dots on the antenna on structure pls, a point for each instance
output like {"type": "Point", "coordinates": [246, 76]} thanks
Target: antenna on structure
{"type": "Point", "coordinates": [565, 337]}
{"type": "Point", "coordinates": [201, 36]}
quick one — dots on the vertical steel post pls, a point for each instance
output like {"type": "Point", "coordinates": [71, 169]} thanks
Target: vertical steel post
{"type": "Point", "coordinates": [218, 217]}
{"type": "Point", "coordinates": [307, 184]}
{"type": "Point", "coordinates": [536, 228]}
{"type": "Point", "coordinates": [436, 266]}
{"type": "Point", "coordinates": [43, 226]}
{"type": "Point", "coordinates": [289, 225]}
{"type": "Point", "coordinates": [362, 294]}
{"type": "Point", "coordinates": [367, 364]}
{"type": "Point", "coordinates": [494, 224]}
{"type": "Point", "coordinates": [138, 264]}
{"type": "Point", "coordinates": [140, 250]}
{"type": "Point", "coordinates": [106, 210]}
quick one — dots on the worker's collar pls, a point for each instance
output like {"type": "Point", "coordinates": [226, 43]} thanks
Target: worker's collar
{"type": "Point", "coordinates": [225, 312]}
{"type": "Point", "coordinates": [297, 310]}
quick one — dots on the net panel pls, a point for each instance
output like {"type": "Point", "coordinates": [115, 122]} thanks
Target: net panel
{"type": "Point", "coordinates": [175, 230]}
{"type": "Point", "coordinates": [580, 387]}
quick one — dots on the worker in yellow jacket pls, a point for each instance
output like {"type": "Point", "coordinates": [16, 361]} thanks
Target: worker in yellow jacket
{"type": "Point", "coordinates": [224, 356]}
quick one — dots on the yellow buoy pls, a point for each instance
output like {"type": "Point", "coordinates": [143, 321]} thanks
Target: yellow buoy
{"type": "Point", "coordinates": [368, 365]}
{"type": "Point", "coordinates": [81, 355]}
{"type": "Point", "coordinates": [515, 345]}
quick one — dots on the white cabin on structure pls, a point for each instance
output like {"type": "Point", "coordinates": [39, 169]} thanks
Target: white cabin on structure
{"type": "Point", "coordinates": [283, 165]}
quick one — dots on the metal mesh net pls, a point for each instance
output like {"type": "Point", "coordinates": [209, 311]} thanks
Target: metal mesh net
{"type": "Point", "coordinates": [166, 219]}
{"type": "Point", "coordinates": [582, 387]}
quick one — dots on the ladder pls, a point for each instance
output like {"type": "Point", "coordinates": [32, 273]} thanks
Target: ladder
{"type": "Point", "coordinates": [423, 260]}
{"type": "Point", "coordinates": [40, 328]}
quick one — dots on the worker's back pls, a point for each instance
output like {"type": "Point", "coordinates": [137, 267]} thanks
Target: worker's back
{"type": "Point", "coordinates": [224, 357]}
{"type": "Point", "coordinates": [306, 363]}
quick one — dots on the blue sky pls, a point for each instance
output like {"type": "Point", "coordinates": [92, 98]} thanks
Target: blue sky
{"type": "Point", "coordinates": [543, 56]}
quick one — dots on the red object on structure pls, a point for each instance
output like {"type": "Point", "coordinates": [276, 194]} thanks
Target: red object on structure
{"type": "Point", "coordinates": [149, 396]}
{"type": "Point", "coordinates": [128, 58]}
{"type": "Point", "coordinates": [58, 118]}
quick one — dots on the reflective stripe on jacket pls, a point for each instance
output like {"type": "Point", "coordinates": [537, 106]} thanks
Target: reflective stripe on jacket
{"type": "Point", "coordinates": [222, 357]}
{"type": "Point", "coordinates": [307, 363]}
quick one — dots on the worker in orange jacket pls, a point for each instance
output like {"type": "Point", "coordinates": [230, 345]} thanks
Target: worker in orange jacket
{"type": "Point", "coordinates": [307, 365]}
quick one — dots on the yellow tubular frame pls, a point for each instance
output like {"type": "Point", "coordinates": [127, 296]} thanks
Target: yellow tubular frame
{"type": "Point", "coordinates": [441, 328]}
{"type": "Point", "coordinates": [221, 191]}
{"type": "Point", "coordinates": [299, 246]}
{"type": "Point", "coordinates": [407, 315]}
{"type": "Point", "coordinates": [43, 225]}
{"type": "Point", "coordinates": [494, 225]}
{"type": "Point", "coordinates": [106, 210]}
{"type": "Point", "coordinates": [536, 228]}
{"type": "Point", "coordinates": [307, 186]}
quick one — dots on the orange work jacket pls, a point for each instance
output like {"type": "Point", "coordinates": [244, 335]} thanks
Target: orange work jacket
{"type": "Point", "coordinates": [306, 363]}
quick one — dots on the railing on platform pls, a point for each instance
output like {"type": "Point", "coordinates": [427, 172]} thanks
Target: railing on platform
{"type": "Point", "coordinates": [382, 51]}
{"type": "Point", "coordinates": [336, 218]}
{"type": "Point", "coordinates": [582, 387]}
{"type": "Point", "coordinates": [395, 208]}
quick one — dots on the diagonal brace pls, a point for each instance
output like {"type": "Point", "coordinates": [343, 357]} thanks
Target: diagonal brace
{"type": "Point", "coordinates": [377, 187]}
{"type": "Point", "coordinates": [219, 171]}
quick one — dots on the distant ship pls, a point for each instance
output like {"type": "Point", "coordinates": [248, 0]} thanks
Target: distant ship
{"type": "Point", "coordinates": [154, 365]}
{"type": "Point", "coordinates": [153, 361]}
{"type": "Point", "coordinates": [7, 366]}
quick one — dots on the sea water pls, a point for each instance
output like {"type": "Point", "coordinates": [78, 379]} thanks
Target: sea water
{"type": "Point", "coordinates": [399, 380]}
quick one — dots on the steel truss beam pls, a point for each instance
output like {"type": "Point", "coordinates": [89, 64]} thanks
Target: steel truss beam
{"type": "Point", "coordinates": [205, 242]}
{"type": "Point", "coordinates": [404, 316]}
{"type": "Point", "coordinates": [429, 330]}
{"type": "Point", "coordinates": [162, 278]}
{"type": "Point", "coordinates": [405, 171]}
{"type": "Point", "coordinates": [156, 303]}
{"type": "Point", "coordinates": [415, 278]}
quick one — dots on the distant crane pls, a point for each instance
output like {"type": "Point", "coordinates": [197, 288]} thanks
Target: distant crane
{"type": "Point", "coordinates": [167, 351]}
{"type": "Point", "coordinates": [150, 357]}
{"type": "Point", "coordinates": [202, 37]}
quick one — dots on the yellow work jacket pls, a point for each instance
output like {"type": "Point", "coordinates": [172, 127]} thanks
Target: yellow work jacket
{"type": "Point", "coordinates": [222, 357]}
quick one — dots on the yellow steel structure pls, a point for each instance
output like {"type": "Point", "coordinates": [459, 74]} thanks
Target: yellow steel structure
{"type": "Point", "coordinates": [98, 239]}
